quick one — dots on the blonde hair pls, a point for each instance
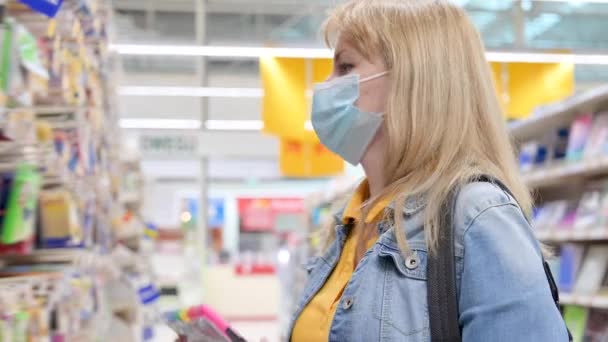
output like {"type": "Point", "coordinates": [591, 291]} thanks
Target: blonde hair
{"type": "Point", "coordinates": [443, 121]}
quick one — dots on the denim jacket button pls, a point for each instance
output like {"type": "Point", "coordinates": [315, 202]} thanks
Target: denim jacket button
{"type": "Point", "coordinates": [412, 262]}
{"type": "Point", "coordinates": [348, 302]}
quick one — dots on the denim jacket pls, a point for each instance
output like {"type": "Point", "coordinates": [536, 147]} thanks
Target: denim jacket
{"type": "Point", "coordinates": [503, 292]}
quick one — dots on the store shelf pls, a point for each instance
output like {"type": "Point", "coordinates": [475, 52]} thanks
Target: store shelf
{"type": "Point", "coordinates": [51, 256]}
{"type": "Point", "coordinates": [561, 114]}
{"type": "Point", "coordinates": [563, 235]}
{"type": "Point", "coordinates": [556, 175]}
{"type": "Point", "coordinates": [595, 302]}
{"type": "Point", "coordinates": [49, 110]}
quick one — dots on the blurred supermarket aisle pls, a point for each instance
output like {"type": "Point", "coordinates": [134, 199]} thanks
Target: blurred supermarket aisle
{"type": "Point", "coordinates": [156, 155]}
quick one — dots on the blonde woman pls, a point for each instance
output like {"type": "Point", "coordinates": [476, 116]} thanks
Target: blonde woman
{"type": "Point", "coordinates": [412, 100]}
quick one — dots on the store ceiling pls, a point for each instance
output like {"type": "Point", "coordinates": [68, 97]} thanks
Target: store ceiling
{"type": "Point", "coordinates": [545, 24]}
{"type": "Point", "coordinates": [504, 24]}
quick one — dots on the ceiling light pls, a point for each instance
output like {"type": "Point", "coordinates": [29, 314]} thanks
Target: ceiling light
{"type": "Point", "coordinates": [257, 52]}
{"type": "Point", "coordinates": [576, 2]}
{"type": "Point", "coordinates": [234, 125]}
{"type": "Point", "coordinates": [191, 91]}
{"type": "Point", "coordinates": [526, 57]}
{"type": "Point", "coordinates": [219, 51]}
{"type": "Point", "coordinates": [188, 124]}
{"type": "Point", "coordinates": [160, 124]}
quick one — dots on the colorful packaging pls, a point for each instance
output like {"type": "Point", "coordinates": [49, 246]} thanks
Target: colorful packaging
{"type": "Point", "coordinates": [592, 271]}
{"type": "Point", "coordinates": [597, 326]}
{"type": "Point", "coordinates": [597, 145]}
{"type": "Point", "coordinates": [46, 7]}
{"type": "Point", "coordinates": [587, 213]}
{"type": "Point", "coordinates": [527, 155]}
{"type": "Point", "coordinates": [579, 134]}
{"type": "Point", "coordinates": [20, 214]}
{"type": "Point", "coordinates": [571, 256]}
{"type": "Point", "coordinates": [576, 320]}
{"type": "Point", "coordinates": [59, 221]}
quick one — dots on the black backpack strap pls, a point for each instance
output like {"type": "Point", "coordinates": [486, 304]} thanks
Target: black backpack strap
{"type": "Point", "coordinates": [441, 274]}
{"type": "Point", "coordinates": [441, 281]}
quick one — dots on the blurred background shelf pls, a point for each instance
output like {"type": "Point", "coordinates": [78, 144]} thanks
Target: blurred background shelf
{"type": "Point", "coordinates": [590, 301]}
{"type": "Point", "coordinates": [552, 117]}
{"type": "Point", "coordinates": [559, 174]}
{"type": "Point", "coordinates": [557, 235]}
{"type": "Point", "coordinates": [59, 256]}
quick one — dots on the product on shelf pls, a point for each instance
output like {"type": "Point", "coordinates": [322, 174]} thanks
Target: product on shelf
{"type": "Point", "coordinates": [20, 209]}
{"type": "Point", "coordinates": [59, 222]}
{"type": "Point", "coordinates": [576, 319]}
{"type": "Point", "coordinates": [597, 145]}
{"type": "Point", "coordinates": [59, 157]}
{"type": "Point", "coordinates": [571, 256]}
{"type": "Point", "coordinates": [579, 134]}
{"type": "Point", "coordinates": [597, 326]}
{"type": "Point", "coordinates": [592, 271]}
{"type": "Point", "coordinates": [575, 212]}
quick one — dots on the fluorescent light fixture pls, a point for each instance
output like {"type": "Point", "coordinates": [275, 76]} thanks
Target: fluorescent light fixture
{"type": "Point", "coordinates": [257, 52]}
{"type": "Point", "coordinates": [525, 57]}
{"type": "Point", "coordinates": [576, 1]}
{"type": "Point", "coordinates": [234, 125]}
{"type": "Point", "coordinates": [191, 91]}
{"type": "Point", "coordinates": [160, 124]}
{"type": "Point", "coordinates": [186, 124]}
{"type": "Point", "coordinates": [219, 51]}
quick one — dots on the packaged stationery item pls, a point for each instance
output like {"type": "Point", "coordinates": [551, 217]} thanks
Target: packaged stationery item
{"type": "Point", "coordinates": [46, 7]}
{"type": "Point", "coordinates": [201, 323]}
{"type": "Point", "coordinates": [592, 272]}
{"type": "Point", "coordinates": [576, 319]}
{"type": "Point", "coordinates": [579, 134]}
{"type": "Point", "coordinates": [550, 215]}
{"type": "Point", "coordinates": [587, 214]}
{"type": "Point", "coordinates": [560, 147]}
{"type": "Point", "coordinates": [597, 145]}
{"type": "Point", "coordinates": [571, 256]}
{"type": "Point", "coordinates": [597, 326]}
{"type": "Point", "coordinates": [59, 222]}
{"type": "Point", "coordinates": [527, 155]}
{"type": "Point", "coordinates": [20, 212]}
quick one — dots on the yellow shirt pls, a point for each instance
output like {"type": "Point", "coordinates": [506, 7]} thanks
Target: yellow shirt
{"type": "Point", "coordinates": [314, 322]}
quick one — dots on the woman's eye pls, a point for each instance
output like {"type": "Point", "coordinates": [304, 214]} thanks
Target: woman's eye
{"type": "Point", "coordinates": [345, 68]}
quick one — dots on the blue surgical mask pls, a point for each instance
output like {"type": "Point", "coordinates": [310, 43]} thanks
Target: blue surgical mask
{"type": "Point", "coordinates": [339, 124]}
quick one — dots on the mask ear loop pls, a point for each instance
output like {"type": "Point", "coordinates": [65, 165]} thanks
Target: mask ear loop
{"type": "Point", "coordinates": [373, 77]}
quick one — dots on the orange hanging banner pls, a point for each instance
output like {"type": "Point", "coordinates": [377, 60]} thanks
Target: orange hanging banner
{"type": "Point", "coordinates": [308, 160]}
{"type": "Point", "coordinates": [522, 87]}
{"type": "Point", "coordinates": [284, 107]}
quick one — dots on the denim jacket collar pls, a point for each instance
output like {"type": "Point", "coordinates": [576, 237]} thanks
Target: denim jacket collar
{"type": "Point", "coordinates": [412, 206]}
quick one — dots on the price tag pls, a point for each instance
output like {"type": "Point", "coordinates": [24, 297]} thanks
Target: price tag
{"type": "Point", "coordinates": [76, 29]}
{"type": "Point", "coordinates": [52, 28]}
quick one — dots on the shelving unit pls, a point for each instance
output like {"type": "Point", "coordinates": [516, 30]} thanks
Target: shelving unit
{"type": "Point", "coordinates": [554, 116]}
{"type": "Point", "coordinates": [574, 186]}
{"type": "Point", "coordinates": [560, 236]}
{"type": "Point", "coordinates": [595, 302]}
{"type": "Point", "coordinates": [59, 121]}
{"type": "Point", "coordinates": [556, 175]}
